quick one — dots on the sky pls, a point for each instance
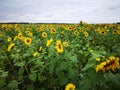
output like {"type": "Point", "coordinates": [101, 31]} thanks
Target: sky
{"type": "Point", "coordinates": [60, 11]}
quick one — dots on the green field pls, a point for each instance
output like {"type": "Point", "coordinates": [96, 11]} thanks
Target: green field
{"type": "Point", "coordinates": [59, 56]}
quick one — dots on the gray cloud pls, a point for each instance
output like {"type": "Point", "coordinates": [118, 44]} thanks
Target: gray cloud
{"type": "Point", "coordinates": [91, 11]}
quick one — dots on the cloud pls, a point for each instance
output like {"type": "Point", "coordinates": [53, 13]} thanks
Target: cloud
{"type": "Point", "coordinates": [56, 11]}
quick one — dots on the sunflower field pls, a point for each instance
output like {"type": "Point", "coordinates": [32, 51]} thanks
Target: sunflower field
{"type": "Point", "coordinates": [59, 56]}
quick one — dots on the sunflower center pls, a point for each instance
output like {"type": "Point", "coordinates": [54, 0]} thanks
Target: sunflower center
{"type": "Point", "coordinates": [59, 46]}
{"type": "Point", "coordinates": [70, 88]}
{"type": "Point", "coordinates": [28, 40]}
{"type": "Point", "coordinates": [110, 63]}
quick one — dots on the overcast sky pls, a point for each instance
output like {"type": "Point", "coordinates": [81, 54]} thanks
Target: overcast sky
{"type": "Point", "coordinates": [60, 11]}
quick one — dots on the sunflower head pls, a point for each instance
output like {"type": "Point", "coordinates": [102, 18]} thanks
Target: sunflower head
{"type": "Point", "coordinates": [27, 41]}
{"type": "Point", "coordinates": [76, 33]}
{"type": "Point", "coordinates": [20, 36]}
{"type": "Point", "coordinates": [53, 31]}
{"type": "Point", "coordinates": [59, 46]}
{"type": "Point", "coordinates": [86, 34]}
{"type": "Point", "coordinates": [111, 63]}
{"type": "Point", "coordinates": [35, 54]}
{"type": "Point", "coordinates": [9, 39]}
{"type": "Point", "coordinates": [70, 86]}
{"type": "Point", "coordinates": [44, 34]}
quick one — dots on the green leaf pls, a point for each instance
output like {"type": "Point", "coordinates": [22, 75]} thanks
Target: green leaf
{"type": "Point", "coordinates": [20, 64]}
{"type": "Point", "coordinates": [85, 84]}
{"type": "Point", "coordinates": [63, 66]}
{"type": "Point", "coordinates": [51, 51]}
{"type": "Point", "coordinates": [74, 59]}
{"type": "Point", "coordinates": [20, 73]}
{"type": "Point", "coordinates": [30, 87]}
{"type": "Point", "coordinates": [91, 62]}
{"type": "Point", "coordinates": [32, 77]}
{"type": "Point", "coordinates": [13, 85]}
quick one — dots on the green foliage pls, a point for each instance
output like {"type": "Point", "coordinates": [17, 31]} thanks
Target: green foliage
{"type": "Point", "coordinates": [40, 67]}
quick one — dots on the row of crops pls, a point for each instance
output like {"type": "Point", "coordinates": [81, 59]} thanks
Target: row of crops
{"type": "Point", "coordinates": [59, 56]}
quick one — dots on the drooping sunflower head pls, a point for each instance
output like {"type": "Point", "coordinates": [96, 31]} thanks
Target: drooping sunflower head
{"type": "Point", "coordinates": [44, 34]}
{"type": "Point", "coordinates": [110, 64]}
{"type": "Point", "coordinates": [27, 40]}
{"type": "Point", "coordinates": [59, 46]}
{"type": "Point", "coordinates": [70, 86]}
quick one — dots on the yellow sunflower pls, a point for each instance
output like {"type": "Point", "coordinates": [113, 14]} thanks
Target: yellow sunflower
{"type": "Point", "coordinates": [20, 36]}
{"type": "Point", "coordinates": [44, 34]}
{"type": "Point", "coordinates": [65, 44]}
{"type": "Point", "coordinates": [10, 47]}
{"type": "Point", "coordinates": [9, 39]}
{"type": "Point", "coordinates": [35, 54]}
{"type": "Point", "coordinates": [59, 46]}
{"type": "Point", "coordinates": [27, 41]}
{"type": "Point", "coordinates": [102, 32]}
{"type": "Point", "coordinates": [76, 33]}
{"type": "Point", "coordinates": [49, 42]}
{"type": "Point", "coordinates": [53, 31]}
{"type": "Point", "coordinates": [86, 34]}
{"type": "Point", "coordinates": [29, 33]}
{"type": "Point", "coordinates": [110, 64]}
{"type": "Point", "coordinates": [70, 86]}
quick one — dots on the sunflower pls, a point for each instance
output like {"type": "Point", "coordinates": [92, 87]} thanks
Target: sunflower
{"type": "Point", "coordinates": [10, 47]}
{"type": "Point", "coordinates": [114, 31]}
{"type": "Point", "coordinates": [9, 39]}
{"type": "Point", "coordinates": [29, 33]}
{"type": "Point", "coordinates": [35, 54]}
{"type": "Point", "coordinates": [20, 36]}
{"type": "Point", "coordinates": [0, 33]}
{"type": "Point", "coordinates": [69, 28]}
{"type": "Point", "coordinates": [53, 31]}
{"type": "Point", "coordinates": [49, 42]}
{"type": "Point", "coordinates": [102, 32]}
{"type": "Point", "coordinates": [70, 86]}
{"type": "Point", "coordinates": [59, 46]}
{"type": "Point", "coordinates": [86, 34]}
{"type": "Point", "coordinates": [81, 30]}
{"type": "Point", "coordinates": [76, 33]}
{"type": "Point", "coordinates": [27, 41]}
{"type": "Point", "coordinates": [65, 44]}
{"type": "Point", "coordinates": [110, 64]}
{"type": "Point", "coordinates": [44, 34]}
